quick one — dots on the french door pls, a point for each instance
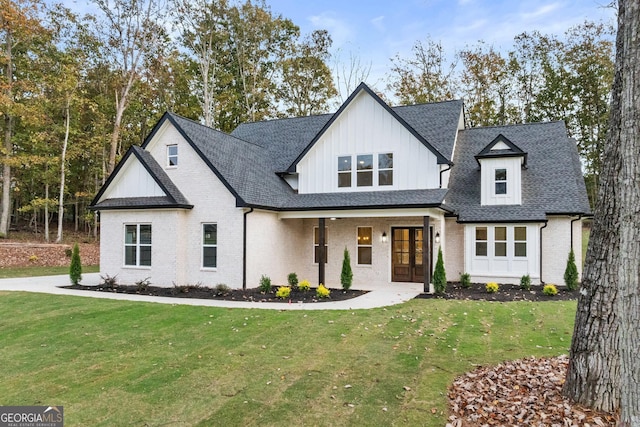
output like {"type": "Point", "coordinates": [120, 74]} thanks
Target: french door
{"type": "Point", "coordinates": [407, 254]}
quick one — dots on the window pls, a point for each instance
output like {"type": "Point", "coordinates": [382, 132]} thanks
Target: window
{"type": "Point", "coordinates": [501, 181]}
{"type": "Point", "coordinates": [172, 156]}
{"type": "Point", "coordinates": [520, 241]}
{"type": "Point", "coordinates": [344, 171]}
{"type": "Point", "coordinates": [137, 245]}
{"type": "Point", "coordinates": [481, 241]}
{"type": "Point", "coordinates": [316, 244]}
{"type": "Point", "coordinates": [385, 169]}
{"type": "Point", "coordinates": [209, 245]}
{"type": "Point", "coordinates": [365, 170]}
{"type": "Point", "coordinates": [365, 241]}
{"type": "Point", "coordinates": [500, 241]}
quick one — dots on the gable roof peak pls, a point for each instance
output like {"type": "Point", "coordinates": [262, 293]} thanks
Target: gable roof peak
{"type": "Point", "coordinates": [501, 146]}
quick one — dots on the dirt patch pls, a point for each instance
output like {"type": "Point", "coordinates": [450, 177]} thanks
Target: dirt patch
{"type": "Point", "coordinates": [29, 254]}
{"type": "Point", "coordinates": [478, 292]}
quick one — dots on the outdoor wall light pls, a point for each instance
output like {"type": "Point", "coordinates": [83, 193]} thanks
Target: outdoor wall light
{"type": "Point", "coordinates": [437, 237]}
{"type": "Point", "coordinates": [384, 237]}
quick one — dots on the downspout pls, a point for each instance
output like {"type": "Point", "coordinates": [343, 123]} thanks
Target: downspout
{"type": "Point", "coordinates": [244, 248]}
{"type": "Point", "coordinates": [571, 229]}
{"type": "Point", "coordinates": [544, 226]}
{"type": "Point", "coordinates": [443, 171]}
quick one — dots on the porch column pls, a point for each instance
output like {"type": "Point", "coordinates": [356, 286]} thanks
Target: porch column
{"type": "Point", "coordinates": [322, 255]}
{"type": "Point", "coordinates": [426, 262]}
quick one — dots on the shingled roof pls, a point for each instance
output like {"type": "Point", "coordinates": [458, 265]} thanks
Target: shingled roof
{"type": "Point", "coordinates": [551, 184]}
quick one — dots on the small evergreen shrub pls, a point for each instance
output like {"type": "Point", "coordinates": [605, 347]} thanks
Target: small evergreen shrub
{"type": "Point", "coordinates": [292, 279]}
{"type": "Point", "coordinates": [304, 285]}
{"type": "Point", "coordinates": [550, 290]}
{"type": "Point", "coordinates": [265, 284]}
{"type": "Point", "coordinates": [322, 291]}
{"type": "Point", "coordinates": [143, 285]}
{"type": "Point", "coordinates": [492, 287]}
{"type": "Point", "coordinates": [465, 280]}
{"type": "Point", "coordinates": [525, 282]}
{"type": "Point", "coordinates": [68, 252]}
{"type": "Point", "coordinates": [346, 277]}
{"type": "Point", "coordinates": [571, 272]}
{"type": "Point", "coordinates": [283, 292]}
{"type": "Point", "coordinates": [439, 279]}
{"type": "Point", "coordinates": [75, 269]}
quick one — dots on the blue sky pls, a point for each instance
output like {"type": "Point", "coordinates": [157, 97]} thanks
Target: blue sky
{"type": "Point", "coordinates": [377, 30]}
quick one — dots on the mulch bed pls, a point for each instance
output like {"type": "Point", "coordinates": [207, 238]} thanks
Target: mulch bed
{"type": "Point", "coordinates": [204, 292]}
{"type": "Point", "coordinates": [506, 293]}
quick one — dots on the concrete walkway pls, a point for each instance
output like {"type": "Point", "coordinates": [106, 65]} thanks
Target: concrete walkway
{"type": "Point", "coordinates": [50, 285]}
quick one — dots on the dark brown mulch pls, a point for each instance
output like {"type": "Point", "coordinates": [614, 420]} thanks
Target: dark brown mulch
{"type": "Point", "coordinates": [478, 292]}
{"type": "Point", "coordinates": [204, 292]}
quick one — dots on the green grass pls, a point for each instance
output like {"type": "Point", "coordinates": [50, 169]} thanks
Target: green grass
{"type": "Point", "coordinates": [7, 272]}
{"type": "Point", "coordinates": [120, 363]}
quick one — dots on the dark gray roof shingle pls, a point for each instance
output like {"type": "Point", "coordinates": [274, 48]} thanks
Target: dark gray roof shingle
{"type": "Point", "coordinates": [551, 184]}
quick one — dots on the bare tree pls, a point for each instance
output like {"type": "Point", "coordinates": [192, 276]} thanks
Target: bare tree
{"type": "Point", "coordinates": [350, 74]}
{"type": "Point", "coordinates": [604, 369]}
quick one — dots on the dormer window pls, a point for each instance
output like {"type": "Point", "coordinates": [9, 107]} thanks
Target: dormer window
{"type": "Point", "coordinates": [172, 156]}
{"type": "Point", "coordinates": [500, 181]}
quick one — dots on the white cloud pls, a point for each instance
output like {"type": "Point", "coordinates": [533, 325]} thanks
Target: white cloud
{"type": "Point", "coordinates": [543, 10]}
{"type": "Point", "coordinates": [378, 24]}
{"type": "Point", "coordinates": [341, 32]}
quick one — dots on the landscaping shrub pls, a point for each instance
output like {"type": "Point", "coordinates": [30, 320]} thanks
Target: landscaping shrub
{"type": "Point", "coordinates": [265, 284]}
{"type": "Point", "coordinates": [75, 269]}
{"type": "Point", "coordinates": [143, 285]}
{"type": "Point", "coordinates": [322, 291]}
{"type": "Point", "coordinates": [571, 272]}
{"type": "Point", "coordinates": [525, 282]}
{"type": "Point", "coordinates": [283, 292]}
{"type": "Point", "coordinates": [292, 279]}
{"type": "Point", "coordinates": [221, 289]}
{"type": "Point", "coordinates": [109, 281]}
{"type": "Point", "coordinates": [465, 280]}
{"type": "Point", "coordinates": [439, 279]}
{"type": "Point", "coordinates": [550, 290]}
{"type": "Point", "coordinates": [346, 277]}
{"type": "Point", "coordinates": [492, 287]}
{"type": "Point", "coordinates": [304, 285]}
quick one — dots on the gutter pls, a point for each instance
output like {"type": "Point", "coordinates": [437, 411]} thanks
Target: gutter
{"type": "Point", "coordinates": [544, 226]}
{"type": "Point", "coordinates": [443, 171]}
{"type": "Point", "coordinates": [571, 229]}
{"type": "Point", "coordinates": [244, 248]}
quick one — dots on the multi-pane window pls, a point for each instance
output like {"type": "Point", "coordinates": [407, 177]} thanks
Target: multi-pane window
{"type": "Point", "coordinates": [501, 181]}
{"type": "Point", "coordinates": [172, 155]}
{"type": "Point", "coordinates": [520, 241]}
{"type": "Point", "coordinates": [500, 241]}
{"type": "Point", "coordinates": [316, 244]}
{"type": "Point", "coordinates": [365, 170]}
{"type": "Point", "coordinates": [344, 171]}
{"type": "Point", "coordinates": [209, 245]}
{"type": "Point", "coordinates": [481, 241]}
{"type": "Point", "coordinates": [365, 241]}
{"type": "Point", "coordinates": [370, 170]}
{"type": "Point", "coordinates": [137, 245]}
{"type": "Point", "coordinates": [385, 169]}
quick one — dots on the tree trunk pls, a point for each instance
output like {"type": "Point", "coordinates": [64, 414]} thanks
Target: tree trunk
{"type": "Point", "coordinates": [604, 369]}
{"type": "Point", "coordinates": [5, 217]}
{"type": "Point", "coordinates": [46, 212]}
{"type": "Point", "coordinates": [62, 171]}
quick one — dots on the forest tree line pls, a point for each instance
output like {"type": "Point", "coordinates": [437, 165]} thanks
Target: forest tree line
{"type": "Point", "coordinates": [76, 91]}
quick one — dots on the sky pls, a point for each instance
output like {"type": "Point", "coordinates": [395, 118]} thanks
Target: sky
{"type": "Point", "coordinates": [375, 31]}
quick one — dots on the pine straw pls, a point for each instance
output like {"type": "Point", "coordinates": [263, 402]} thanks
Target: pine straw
{"type": "Point", "coordinates": [526, 392]}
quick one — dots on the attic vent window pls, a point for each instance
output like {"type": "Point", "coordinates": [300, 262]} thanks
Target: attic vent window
{"type": "Point", "coordinates": [501, 181]}
{"type": "Point", "coordinates": [172, 156]}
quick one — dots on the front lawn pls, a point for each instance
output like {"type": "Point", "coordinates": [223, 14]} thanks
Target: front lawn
{"type": "Point", "coordinates": [120, 363]}
{"type": "Point", "coordinates": [7, 272]}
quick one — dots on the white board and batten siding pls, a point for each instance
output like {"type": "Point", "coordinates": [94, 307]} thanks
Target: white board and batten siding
{"type": "Point", "coordinates": [133, 181]}
{"type": "Point", "coordinates": [365, 127]}
{"type": "Point", "coordinates": [513, 166]}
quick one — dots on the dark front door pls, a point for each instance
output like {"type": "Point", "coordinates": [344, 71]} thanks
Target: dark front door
{"type": "Point", "coordinates": [406, 256]}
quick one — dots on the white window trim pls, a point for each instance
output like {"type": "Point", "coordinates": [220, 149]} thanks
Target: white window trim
{"type": "Point", "coordinates": [475, 241]}
{"type": "Point", "coordinates": [505, 181]}
{"type": "Point", "coordinates": [203, 245]}
{"type": "Point", "coordinates": [358, 246]}
{"type": "Point", "coordinates": [169, 165]}
{"type": "Point", "coordinates": [137, 245]}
